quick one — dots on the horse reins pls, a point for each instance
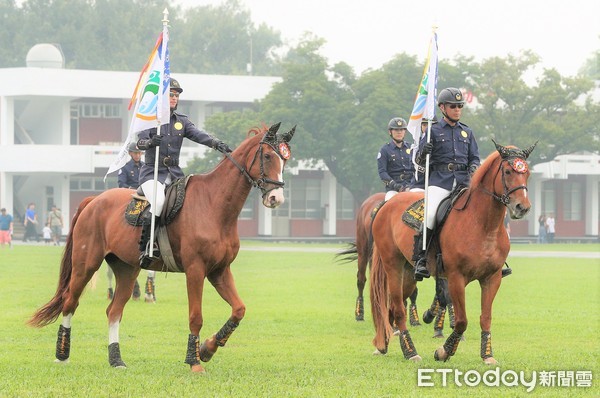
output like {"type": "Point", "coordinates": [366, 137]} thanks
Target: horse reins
{"type": "Point", "coordinates": [262, 181]}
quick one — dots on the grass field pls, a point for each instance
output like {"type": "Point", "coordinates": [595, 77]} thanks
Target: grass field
{"type": "Point", "coordinates": [299, 337]}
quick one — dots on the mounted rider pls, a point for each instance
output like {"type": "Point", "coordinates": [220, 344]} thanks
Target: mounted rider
{"type": "Point", "coordinates": [454, 157]}
{"type": "Point", "coordinates": [394, 160]}
{"type": "Point", "coordinates": [169, 141]}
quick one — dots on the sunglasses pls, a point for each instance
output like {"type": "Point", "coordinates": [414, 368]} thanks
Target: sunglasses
{"type": "Point", "coordinates": [454, 106]}
{"type": "Point", "coordinates": [176, 95]}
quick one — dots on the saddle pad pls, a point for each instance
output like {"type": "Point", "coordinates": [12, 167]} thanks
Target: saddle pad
{"type": "Point", "coordinates": [376, 209]}
{"type": "Point", "coordinates": [138, 208]}
{"type": "Point", "coordinates": [413, 216]}
{"type": "Point", "coordinates": [136, 211]}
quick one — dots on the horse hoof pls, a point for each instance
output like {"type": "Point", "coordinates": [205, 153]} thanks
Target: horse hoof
{"type": "Point", "coordinates": [490, 361]}
{"type": "Point", "coordinates": [416, 358]}
{"type": "Point", "coordinates": [439, 335]}
{"type": "Point", "coordinates": [66, 361]}
{"type": "Point", "coordinates": [360, 318]}
{"type": "Point", "coordinates": [380, 352]}
{"type": "Point", "coordinates": [440, 354]}
{"type": "Point", "coordinates": [428, 317]}
{"type": "Point", "coordinates": [197, 369]}
{"type": "Point", "coordinates": [397, 332]}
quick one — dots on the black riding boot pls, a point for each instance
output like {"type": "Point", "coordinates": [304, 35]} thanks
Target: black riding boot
{"type": "Point", "coordinates": [145, 259]}
{"type": "Point", "coordinates": [420, 257]}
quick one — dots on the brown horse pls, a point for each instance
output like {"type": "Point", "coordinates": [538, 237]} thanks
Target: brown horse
{"type": "Point", "coordinates": [203, 236]}
{"type": "Point", "coordinates": [474, 246]}
{"type": "Point", "coordinates": [361, 249]}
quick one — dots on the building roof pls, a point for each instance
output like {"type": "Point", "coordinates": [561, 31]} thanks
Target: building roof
{"type": "Point", "coordinates": [75, 83]}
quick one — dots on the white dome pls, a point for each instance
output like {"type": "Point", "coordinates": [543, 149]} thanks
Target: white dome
{"type": "Point", "coordinates": [45, 55]}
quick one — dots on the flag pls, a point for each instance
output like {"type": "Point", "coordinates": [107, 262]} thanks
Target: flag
{"type": "Point", "coordinates": [150, 97]}
{"type": "Point", "coordinates": [424, 106]}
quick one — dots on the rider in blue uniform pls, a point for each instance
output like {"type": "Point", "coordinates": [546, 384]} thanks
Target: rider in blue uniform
{"type": "Point", "coordinates": [394, 160]}
{"type": "Point", "coordinates": [129, 174]}
{"type": "Point", "coordinates": [170, 141]}
{"type": "Point", "coordinates": [454, 158]}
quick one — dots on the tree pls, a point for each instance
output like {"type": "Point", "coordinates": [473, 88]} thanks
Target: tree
{"type": "Point", "coordinates": [553, 111]}
{"type": "Point", "coordinates": [118, 35]}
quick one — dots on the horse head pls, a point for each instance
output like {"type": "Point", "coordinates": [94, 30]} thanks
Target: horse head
{"type": "Point", "coordinates": [267, 165]}
{"type": "Point", "coordinates": [514, 171]}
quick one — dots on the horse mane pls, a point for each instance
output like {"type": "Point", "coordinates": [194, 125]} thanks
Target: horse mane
{"type": "Point", "coordinates": [477, 178]}
{"type": "Point", "coordinates": [257, 130]}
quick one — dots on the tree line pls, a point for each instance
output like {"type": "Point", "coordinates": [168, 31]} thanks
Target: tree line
{"type": "Point", "coordinates": [341, 116]}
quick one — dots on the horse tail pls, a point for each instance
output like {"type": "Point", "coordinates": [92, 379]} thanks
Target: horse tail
{"type": "Point", "coordinates": [379, 302]}
{"type": "Point", "coordinates": [348, 255]}
{"type": "Point", "coordinates": [50, 312]}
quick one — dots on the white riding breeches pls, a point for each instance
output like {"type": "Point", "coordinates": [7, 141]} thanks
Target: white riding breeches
{"type": "Point", "coordinates": [389, 195]}
{"type": "Point", "coordinates": [148, 188]}
{"type": "Point", "coordinates": [435, 195]}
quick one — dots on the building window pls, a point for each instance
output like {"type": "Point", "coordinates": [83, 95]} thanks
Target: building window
{"type": "Point", "coordinates": [105, 111]}
{"type": "Point", "coordinates": [572, 201]}
{"type": "Point", "coordinates": [305, 197]}
{"type": "Point", "coordinates": [96, 184]}
{"type": "Point", "coordinates": [548, 198]}
{"type": "Point", "coordinates": [248, 209]}
{"type": "Point", "coordinates": [344, 204]}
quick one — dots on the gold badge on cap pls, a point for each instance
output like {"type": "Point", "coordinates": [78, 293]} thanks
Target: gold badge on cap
{"type": "Point", "coordinates": [464, 134]}
{"type": "Point", "coordinates": [178, 126]}
{"type": "Point", "coordinates": [458, 96]}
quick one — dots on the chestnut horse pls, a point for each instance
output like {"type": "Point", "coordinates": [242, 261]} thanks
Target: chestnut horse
{"type": "Point", "coordinates": [204, 241]}
{"type": "Point", "coordinates": [474, 246]}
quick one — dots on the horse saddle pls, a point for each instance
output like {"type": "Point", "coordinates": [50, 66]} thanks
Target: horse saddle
{"type": "Point", "coordinates": [413, 216]}
{"type": "Point", "coordinates": [138, 209]}
{"type": "Point", "coordinates": [376, 209]}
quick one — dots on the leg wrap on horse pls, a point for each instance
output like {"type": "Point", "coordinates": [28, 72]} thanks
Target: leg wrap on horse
{"type": "Point", "coordinates": [486, 345]}
{"type": "Point", "coordinates": [430, 314]}
{"type": "Point", "coordinates": [136, 291]}
{"type": "Point", "coordinates": [193, 350]}
{"type": "Point", "coordinates": [438, 325]}
{"type": "Point", "coordinates": [450, 345]}
{"type": "Point", "coordinates": [359, 311]}
{"type": "Point", "coordinates": [408, 348]}
{"type": "Point", "coordinates": [225, 332]}
{"type": "Point", "coordinates": [451, 315]}
{"type": "Point", "coordinates": [413, 315]}
{"type": "Point", "coordinates": [150, 288]}
{"type": "Point", "coordinates": [63, 343]}
{"type": "Point", "coordinates": [114, 356]}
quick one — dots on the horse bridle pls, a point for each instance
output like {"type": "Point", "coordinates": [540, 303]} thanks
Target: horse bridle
{"type": "Point", "coordinates": [505, 197]}
{"type": "Point", "coordinates": [262, 181]}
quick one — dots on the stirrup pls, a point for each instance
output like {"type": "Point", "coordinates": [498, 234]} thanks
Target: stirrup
{"type": "Point", "coordinates": [146, 259]}
{"type": "Point", "coordinates": [506, 272]}
{"type": "Point", "coordinates": [421, 270]}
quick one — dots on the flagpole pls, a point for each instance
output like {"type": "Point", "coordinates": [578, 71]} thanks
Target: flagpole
{"type": "Point", "coordinates": [429, 123]}
{"type": "Point", "coordinates": [426, 176]}
{"type": "Point", "coordinates": [150, 251]}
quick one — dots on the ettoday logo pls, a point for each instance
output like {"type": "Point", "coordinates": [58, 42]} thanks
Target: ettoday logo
{"type": "Point", "coordinates": [507, 378]}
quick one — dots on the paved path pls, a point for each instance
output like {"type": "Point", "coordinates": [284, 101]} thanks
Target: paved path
{"type": "Point", "coordinates": [515, 253]}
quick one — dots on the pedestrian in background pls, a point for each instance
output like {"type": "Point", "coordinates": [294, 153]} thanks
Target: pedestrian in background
{"type": "Point", "coordinates": [6, 228]}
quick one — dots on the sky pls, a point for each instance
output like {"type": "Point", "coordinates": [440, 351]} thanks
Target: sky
{"type": "Point", "coordinates": [368, 33]}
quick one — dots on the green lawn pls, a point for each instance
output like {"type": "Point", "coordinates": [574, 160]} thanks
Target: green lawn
{"type": "Point", "coordinates": [299, 337]}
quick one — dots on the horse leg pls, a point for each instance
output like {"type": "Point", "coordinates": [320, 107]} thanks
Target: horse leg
{"type": "Point", "coordinates": [361, 280]}
{"type": "Point", "coordinates": [80, 276]}
{"type": "Point", "coordinates": [457, 293]}
{"type": "Point", "coordinates": [396, 289]}
{"type": "Point", "coordinates": [195, 286]}
{"type": "Point", "coordinates": [489, 288]}
{"type": "Point", "coordinates": [125, 277]}
{"type": "Point", "coordinates": [413, 313]}
{"type": "Point", "coordinates": [225, 286]}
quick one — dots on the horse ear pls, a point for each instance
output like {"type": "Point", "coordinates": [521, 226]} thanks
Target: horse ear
{"type": "Point", "coordinates": [504, 152]}
{"type": "Point", "coordinates": [272, 132]}
{"type": "Point", "coordinates": [287, 137]}
{"type": "Point", "coordinates": [527, 151]}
